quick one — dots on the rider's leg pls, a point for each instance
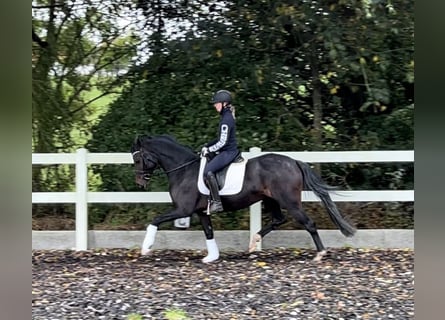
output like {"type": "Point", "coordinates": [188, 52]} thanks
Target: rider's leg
{"type": "Point", "coordinates": [216, 164]}
{"type": "Point", "coordinates": [215, 201]}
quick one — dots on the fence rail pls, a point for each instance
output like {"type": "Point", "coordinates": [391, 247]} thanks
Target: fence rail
{"type": "Point", "coordinates": [81, 197]}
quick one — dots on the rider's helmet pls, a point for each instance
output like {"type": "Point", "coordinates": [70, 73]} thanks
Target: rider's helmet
{"type": "Point", "coordinates": [222, 96]}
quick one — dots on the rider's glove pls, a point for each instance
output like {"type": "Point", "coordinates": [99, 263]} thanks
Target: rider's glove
{"type": "Point", "coordinates": [204, 152]}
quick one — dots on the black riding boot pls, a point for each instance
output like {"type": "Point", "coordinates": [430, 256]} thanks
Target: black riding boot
{"type": "Point", "coordinates": [215, 201]}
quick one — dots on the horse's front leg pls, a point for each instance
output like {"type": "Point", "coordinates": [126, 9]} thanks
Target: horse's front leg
{"type": "Point", "coordinates": [212, 247]}
{"type": "Point", "coordinates": [152, 228]}
{"type": "Point", "coordinates": [149, 239]}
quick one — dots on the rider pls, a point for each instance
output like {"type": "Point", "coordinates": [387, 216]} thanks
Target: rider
{"type": "Point", "coordinates": [225, 147]}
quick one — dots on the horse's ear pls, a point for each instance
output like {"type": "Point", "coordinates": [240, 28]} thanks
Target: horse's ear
{"type": "Point", "coordinates": [134, 145]}
{"type": "Point", "coordinates": [139, 140]}
{"type": "Point", "coordinates": [137, 143]}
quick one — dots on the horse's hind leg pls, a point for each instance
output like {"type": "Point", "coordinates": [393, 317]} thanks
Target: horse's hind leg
{"type": "Point", "coordinates": [278, 218]}
{"type": "Point", "coordinates": [212, 247]}
{"type": "Point", "coordinates": [300, 215]}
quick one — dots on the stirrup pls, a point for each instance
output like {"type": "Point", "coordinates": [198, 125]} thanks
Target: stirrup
{"type": "Point", "coordinates": [214, 206]}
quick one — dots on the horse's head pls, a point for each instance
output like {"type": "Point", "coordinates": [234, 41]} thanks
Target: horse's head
{"type": "Point", "coordinates": [151, 152]}
{"type": "Point", "coordinates": [144, 162]}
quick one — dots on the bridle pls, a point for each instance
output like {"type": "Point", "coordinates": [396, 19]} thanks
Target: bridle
{"type": "Point", "coordinates": [146, 175]}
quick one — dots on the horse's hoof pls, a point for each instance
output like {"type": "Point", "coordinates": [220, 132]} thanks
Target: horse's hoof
{"type": "Point", "coordinates": [209, 259]}
{"type": "Point", "coordinates": [255, 239]}
{"type": "Point", "coordinates": [319, 255]}
{"type": "Point", "coordinates": [145, 252]}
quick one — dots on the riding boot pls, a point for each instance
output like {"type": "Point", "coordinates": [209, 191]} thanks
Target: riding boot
{"type": "Point", "coordinates": [215, 204]}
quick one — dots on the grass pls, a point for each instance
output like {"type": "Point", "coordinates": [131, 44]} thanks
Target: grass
{"type": "Point", "coordinates": [169, 314]}
{"type": "Point", "coordinates": [99, 106]}
{"type": "Point", "coordinates": [80, 134]}
{"type": "Point", "coordinates": [175, 314]}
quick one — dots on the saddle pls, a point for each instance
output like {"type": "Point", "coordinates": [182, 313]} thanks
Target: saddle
{"type": "Point", "coordinates": [229, 179]}
{"type": "Point", "coordinates": [221, 174]}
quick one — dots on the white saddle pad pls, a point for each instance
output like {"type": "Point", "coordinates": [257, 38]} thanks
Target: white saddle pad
{"type": "Point", "coordinates": [234, 178]}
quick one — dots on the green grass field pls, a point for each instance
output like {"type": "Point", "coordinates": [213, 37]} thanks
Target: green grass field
{"type": "Point", "coordinates": [81, 132]}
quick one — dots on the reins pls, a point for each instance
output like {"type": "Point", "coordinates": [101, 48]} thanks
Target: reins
{"type": "Point", "coordinates": [181, 166]}
{"type": "Point", "coordinates": [166, 172]}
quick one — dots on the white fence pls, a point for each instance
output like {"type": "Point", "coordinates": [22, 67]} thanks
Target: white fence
{"type": "Point", "coordinates": [81, 197]}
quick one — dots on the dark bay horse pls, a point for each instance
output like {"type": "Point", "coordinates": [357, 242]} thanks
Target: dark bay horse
{"type": "Point", "coordinates": [275, 179]}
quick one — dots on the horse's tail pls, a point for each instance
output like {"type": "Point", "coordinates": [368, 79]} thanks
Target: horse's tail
{"type": "Point", "coordinates": [313, 182]}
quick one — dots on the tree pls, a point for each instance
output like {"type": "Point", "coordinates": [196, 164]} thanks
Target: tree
{"type": "Point", "coordinates": [76, 48]}
{"type": "Point", "coordinates": [305, 75]}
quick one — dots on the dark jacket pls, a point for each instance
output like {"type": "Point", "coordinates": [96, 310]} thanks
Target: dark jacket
{"type": "Point", "coordinates": [226, 134]}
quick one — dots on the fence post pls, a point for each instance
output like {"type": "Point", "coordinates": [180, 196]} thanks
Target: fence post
{"type": "Point", "coordinates": [81, 200]}
{"type": "Point", "coordinates": [255, 209]}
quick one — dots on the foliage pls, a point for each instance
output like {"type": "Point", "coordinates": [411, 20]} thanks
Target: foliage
{"type": "Point", "coordinates": [82, 52]}
{"type": "Point", "coordinates": [305, 75]}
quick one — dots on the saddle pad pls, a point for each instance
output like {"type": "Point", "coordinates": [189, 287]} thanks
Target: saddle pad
{"type": "Point", "coordinates": [234, 178]}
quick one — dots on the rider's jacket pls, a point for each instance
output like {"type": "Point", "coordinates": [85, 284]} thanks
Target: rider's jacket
{"type": "Point", "coordinates": [226, 134]}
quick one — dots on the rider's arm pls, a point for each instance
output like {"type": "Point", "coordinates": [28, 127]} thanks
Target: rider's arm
{"type": "Point", "coordinates": [224, 131]}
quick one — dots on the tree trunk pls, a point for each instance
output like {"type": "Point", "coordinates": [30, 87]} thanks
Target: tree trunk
{"type": "Point", "coordinates": [317, 109]}
{"type": "Point", "coordinates": [42, 113]}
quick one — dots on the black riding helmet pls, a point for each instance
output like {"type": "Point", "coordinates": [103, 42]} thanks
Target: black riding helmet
{"type": "Point", "coordinates": [222, 96]}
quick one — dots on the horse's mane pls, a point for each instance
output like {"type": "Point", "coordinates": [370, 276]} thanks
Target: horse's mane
{"type": "Point", "coordinates": [167, 139]}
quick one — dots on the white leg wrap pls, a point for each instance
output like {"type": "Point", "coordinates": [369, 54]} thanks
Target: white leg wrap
{"type": "Point", "coordinates": [149, 239]}
{"type": "Point", "coordinates": [212, 251]}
